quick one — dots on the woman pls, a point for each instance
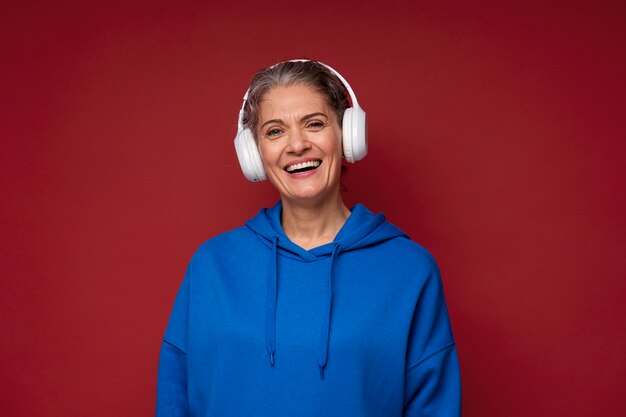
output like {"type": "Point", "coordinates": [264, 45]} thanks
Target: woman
{"type": "Point", "coordinates": [310, 309]}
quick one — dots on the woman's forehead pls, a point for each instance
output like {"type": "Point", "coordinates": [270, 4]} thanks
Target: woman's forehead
{"type": "Point", "coordinates": [291, 99]}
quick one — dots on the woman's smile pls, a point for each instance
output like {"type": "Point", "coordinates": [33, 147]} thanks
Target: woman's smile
{"type": "Point", "coordinates": [300, 167]}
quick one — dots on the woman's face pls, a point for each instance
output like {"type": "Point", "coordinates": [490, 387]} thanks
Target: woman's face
{"type": "Point", "coordinates": [299, 139]}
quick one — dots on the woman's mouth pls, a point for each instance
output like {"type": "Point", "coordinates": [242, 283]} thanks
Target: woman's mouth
{"type": "Point", "coordinates": [303, 166]}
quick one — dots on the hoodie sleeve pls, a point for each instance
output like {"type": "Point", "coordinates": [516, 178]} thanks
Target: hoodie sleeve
{"type": "Point", "coordinates": [172, 400]}
{"type": "Point", "coordinates": [432, 377]}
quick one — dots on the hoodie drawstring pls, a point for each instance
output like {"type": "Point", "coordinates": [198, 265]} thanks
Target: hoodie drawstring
{"type": "Point", "coordinates": [325, 335]}
{"type": "Point", "coordinates": [270, 303]}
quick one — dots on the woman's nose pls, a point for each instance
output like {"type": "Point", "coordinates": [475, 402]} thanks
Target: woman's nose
{"type": "Point", "coordinates": [298, 141]}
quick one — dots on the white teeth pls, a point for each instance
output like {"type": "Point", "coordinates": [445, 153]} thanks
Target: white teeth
{"type": "Point", "coordinates": [306, 164]}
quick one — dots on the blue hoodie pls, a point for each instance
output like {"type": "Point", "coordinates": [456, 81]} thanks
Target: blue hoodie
{"type": "Point", "coordinates": [356, 327]}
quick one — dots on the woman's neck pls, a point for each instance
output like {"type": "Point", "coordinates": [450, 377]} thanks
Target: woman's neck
{"type": "Point", "coordinates": [310, 226]}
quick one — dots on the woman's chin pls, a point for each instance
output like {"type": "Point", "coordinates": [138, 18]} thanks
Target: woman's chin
{"type": "Point", "coordinates": [308, 195]}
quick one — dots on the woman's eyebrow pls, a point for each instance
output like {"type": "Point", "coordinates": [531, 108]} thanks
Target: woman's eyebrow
{"type": "Point", "coordinates": [279, 121]}
{"type": "Point", "coordinates": [302, 119]}
{"type": "Point", "coordinates": [312, 115]}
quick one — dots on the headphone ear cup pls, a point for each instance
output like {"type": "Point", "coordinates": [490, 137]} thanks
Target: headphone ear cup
{"type": "Point", "coordinates": [249, 157]}
{"type": "Point", "coordinates": [354, 134]}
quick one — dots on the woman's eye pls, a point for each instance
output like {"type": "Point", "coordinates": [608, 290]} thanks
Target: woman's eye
{"type": "Point", "coordinates": [272, 133]}
{"type": "Point", "coordinates": [315, 124]}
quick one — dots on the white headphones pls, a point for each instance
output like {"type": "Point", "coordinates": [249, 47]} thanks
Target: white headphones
{"type": "Point", "coordinates": [354, 135]}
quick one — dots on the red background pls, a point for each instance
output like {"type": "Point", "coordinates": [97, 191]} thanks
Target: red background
{"type": "Point", "coordinates": [497, 140]}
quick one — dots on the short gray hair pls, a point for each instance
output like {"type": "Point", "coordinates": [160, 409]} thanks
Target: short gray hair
{"type": "Point", "coordinates": [310, 73]}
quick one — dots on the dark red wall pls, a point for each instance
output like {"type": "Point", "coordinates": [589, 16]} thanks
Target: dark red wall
{"type": "Point", "coordinates": [497, 139]}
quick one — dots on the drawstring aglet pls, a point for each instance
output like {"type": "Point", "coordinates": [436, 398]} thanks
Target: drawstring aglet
{"type": "Point", "coordinates": [272, 358]}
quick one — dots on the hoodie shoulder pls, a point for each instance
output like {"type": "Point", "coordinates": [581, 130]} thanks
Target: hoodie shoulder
{"type": "Point", "coordinates": [402, 253]}
{"type": "Point", "coordinates": [416, 251]}
{"type": "Point", "coordinates": [228, 241]}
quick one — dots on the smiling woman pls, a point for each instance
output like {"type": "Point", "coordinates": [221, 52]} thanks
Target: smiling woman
{"type": "Point", "coordinates": [308, 282]}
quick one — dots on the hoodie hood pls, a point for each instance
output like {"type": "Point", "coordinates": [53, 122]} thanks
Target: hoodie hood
{"type": "Point", "coordinates": [361, 229]}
